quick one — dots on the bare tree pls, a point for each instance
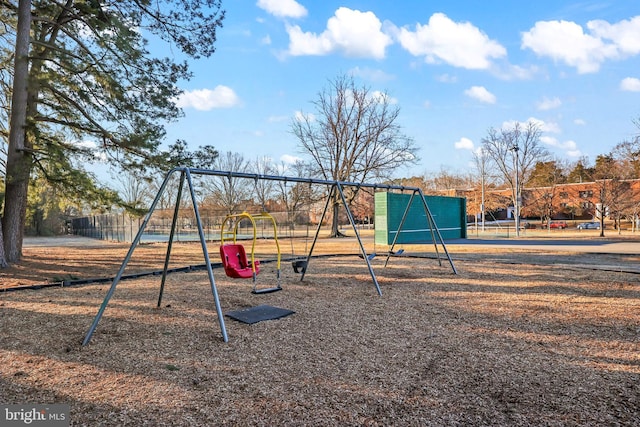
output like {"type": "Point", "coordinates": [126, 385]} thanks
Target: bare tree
{"type": "Point", "coordinates": [602, 176]}
{"type": "Point", "coordinates": [134, 191]}
{"type": "Point", "coordinates": [627, 155]}
{"type": "Point", "coordinates": [446, 180]}
{"type": "Point", "coordinates": [231, 193]}
{"type": "Point", "coordinates": [612, 173]}
{"type": "Point", "coordinates": [295, 196]}
{"type": "Point", "coordinates": [515, 151]}
{"type": "Point", "coordinates": [483, 165]}
{"type": "Point", "coordinates": [544, 180]}
{"type": "Point", "coordinates": [354, 135]}
{"type": "Point", "coordinates": [263, 187]}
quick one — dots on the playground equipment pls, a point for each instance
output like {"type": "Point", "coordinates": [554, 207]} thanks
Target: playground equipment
{"type": "Point", "coordinates": [234, 256]}
{"type": "Point", "coordinates": [335, 189]}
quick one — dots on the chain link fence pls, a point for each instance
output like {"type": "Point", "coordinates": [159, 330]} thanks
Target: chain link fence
{"type": "Point", "coordinates": [124, 228]}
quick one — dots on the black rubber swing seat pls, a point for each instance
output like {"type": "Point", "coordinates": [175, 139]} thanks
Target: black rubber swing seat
{"type": "Point", "coordinates": [266, 290]}
{"type": "Point", "coordinates": [299, 266]}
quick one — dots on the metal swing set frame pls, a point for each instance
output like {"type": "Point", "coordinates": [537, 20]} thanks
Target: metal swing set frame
{"type": "Point", "coordinates": [335, 187]}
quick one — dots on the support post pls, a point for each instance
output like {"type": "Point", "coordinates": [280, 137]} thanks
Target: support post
{"type": "Point", "coordinates": [174, 221]}
{"type": "Point", "coordinates": [355, 230]}
{"type": "Point", "coordinates": [127, 258]}
{"type": "Point", "coordinates": [207, 260]}
{"type": "Point", "coordinates": [315, 237]}
{"type": "Point", "coordinates": [436, 230]}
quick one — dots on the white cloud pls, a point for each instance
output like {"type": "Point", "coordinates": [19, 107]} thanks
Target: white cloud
{"type": "Point", "coordinates": [541, 124]}
{"type": "Point", "coordinates": [515, 72]}
{"type": "Point", "coordinates": [464, 144]}
{"type": "Point", "coordinates": [353, 33]}
{"type": "Point", "coordinates": [283, 8]}
{"type": "Point", "coordinates": [266, 40]}
{"type": "Point", "coordinates": [301, 117]}
{"type": "Point", "coordinates": [625, 34]}
{"type": "Point", "coordinates": [371, 74]}
{"type": "Point", "coordinates": [551, 127]}
{"type": "Point", "coordinates": [458, 44]}
{"type": "Point", "coordinates": [630, 84]}
{"type": "Point", "coordinates": [207, 99]}
{"type": "Point", "coordinates": [481, 94]}
{"type": "Point", "coordinates": [277, 119]}
{"type": "Point", "coordinates": [570, 148]}
{"type": "Point", "coordinates": [95, 149]}
{"type": "Point", "coordinates": [290, 159]}
{"type": "Point", "coordinates": [549, 103]}
{"type": "Point", "coordinates": [567, 42]}
{"type": "Point", "coordinates": [446, 78]}
{"type": "Point", "coordinates": [579, 122]}
{"type": "Point", "coordinates": [91, 145]}
{"type": "Point", "coordinates": [381, 97]}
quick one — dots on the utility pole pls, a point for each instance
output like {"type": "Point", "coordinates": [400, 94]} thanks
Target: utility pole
{"type": "Point", "coordinates": [517, 202]}
{"type": "Point", "coordinates": [482, 208]}
{"type": "Point", "coordinates": [480, 160]}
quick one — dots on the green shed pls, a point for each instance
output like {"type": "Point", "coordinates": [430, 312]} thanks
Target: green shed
{"type": "Point", "coordinates": [449, 214]}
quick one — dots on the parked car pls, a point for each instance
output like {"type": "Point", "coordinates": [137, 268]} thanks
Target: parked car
{"type": "Point", "coordinates": [558, 224]}
{"type": "Point", "coordinates": [589, 225]}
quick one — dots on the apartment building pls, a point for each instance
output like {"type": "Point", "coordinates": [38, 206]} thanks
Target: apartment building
{"type": "Point", "coordinates": [616, 199]}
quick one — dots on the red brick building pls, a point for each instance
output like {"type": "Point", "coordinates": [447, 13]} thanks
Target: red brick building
{"type": "Point", "coordinates": [619, 200]}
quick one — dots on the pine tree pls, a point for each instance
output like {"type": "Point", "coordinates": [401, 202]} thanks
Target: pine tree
{"type": "Point", "coordinates": [85, 84]}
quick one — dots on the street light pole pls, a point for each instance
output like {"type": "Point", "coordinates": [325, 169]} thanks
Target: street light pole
{"type": "Point", "coordinates": [516, 149]}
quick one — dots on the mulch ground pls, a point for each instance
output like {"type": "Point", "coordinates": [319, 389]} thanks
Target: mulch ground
{"type": "Point", "coordinates": [516, 338]}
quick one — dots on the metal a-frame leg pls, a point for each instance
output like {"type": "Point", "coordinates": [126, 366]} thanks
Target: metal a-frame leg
{"type": "Point", "coordinates": [136, 241]}
{"type": "Point", "coordinates": [205, 253]}
{"type": "Point", "coordinates": [174, 222]}
{"type": "Point", "coordinates": [315, 237]}
{"type": "Point", "coordinates": [435, 232]}
{"type": "Point", "coordinates": [336, 187]}
{"type": "Point", "coordinates": [126, 260]}
{"type": "Point", "coordinates": [362, 250]}
{"type": "Point", "coordinates": [400, 225]}
{"type": "Point", "coordinates": [434, 228]}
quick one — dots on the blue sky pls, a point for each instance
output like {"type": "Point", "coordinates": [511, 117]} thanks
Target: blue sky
{"type": "Point", "coordinates": [455, 69]}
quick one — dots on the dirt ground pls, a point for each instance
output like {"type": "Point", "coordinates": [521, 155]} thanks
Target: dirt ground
{"type": "Point", "coordinates": [516, 338]}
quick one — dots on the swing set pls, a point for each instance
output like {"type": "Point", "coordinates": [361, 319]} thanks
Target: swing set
{"type": "Point", "coordinates": [236, 261]}
{"type": "Point", "coordinates": [234, 256]}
